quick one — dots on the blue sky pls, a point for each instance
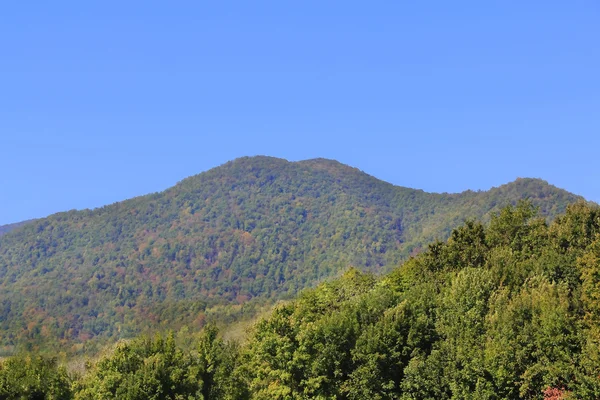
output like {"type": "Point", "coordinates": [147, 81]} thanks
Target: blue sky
{"type": "Point", "coordinates": [103, 101]}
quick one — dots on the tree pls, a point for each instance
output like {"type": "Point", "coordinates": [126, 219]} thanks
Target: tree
{"type": "Point", "coordinates": [144, 369]}
{"type": "Point", "coordinates": [33, 378]}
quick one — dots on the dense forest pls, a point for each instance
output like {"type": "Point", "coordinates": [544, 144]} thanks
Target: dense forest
{"type": "Point", "coordinates": [504, 310]}
{"type": "Point", "coordinates": [220, 246]}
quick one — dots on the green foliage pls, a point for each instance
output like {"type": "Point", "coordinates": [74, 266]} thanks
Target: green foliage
{"type": "Point", "coordinates": [219, 365]}
{"type": "Point", "coordinates": [533, 338]}
{"type": "Point", "coordinates": [589, 267]}
{"type": "Point", "coordinates": [158, 369]}
{"type": "Point", "coordinates": [33, 378]}
{"type": "Point", "coordinates": [143, 369]}
{"type": "Point", "coordinates": [493, 313]}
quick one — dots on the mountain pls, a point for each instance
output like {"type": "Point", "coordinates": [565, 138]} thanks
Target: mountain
{"type": "Point", "coordinates": [220, 243]}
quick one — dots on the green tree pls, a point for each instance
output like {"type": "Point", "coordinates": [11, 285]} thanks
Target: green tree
{"type": "Point", "coordinates": [33, 378]}
{"type": "Point", "coordinates": [144, 369]}
{"type": "Point", "coordinates": [219, 364]}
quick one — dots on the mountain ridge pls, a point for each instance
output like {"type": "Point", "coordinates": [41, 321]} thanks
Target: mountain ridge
{"type": "Point", "coordinates": [5, 228]}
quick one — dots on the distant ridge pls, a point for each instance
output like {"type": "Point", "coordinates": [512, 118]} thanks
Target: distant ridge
{"type": "Point", "coordinates": [4, 229]}
{"type": "Point", "coordinates": [252, 230]}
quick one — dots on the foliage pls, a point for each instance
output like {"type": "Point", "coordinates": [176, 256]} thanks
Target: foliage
{"type": "Point", "coordinates": [158, 369]}
{"type": "Point", "coordinates": [33, 378]}
{"type": "Point", "coordinates": [493, 313]}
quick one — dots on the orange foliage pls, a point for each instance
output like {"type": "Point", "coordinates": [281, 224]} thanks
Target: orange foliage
{"type": "Point", "coordinates": [555, 394]}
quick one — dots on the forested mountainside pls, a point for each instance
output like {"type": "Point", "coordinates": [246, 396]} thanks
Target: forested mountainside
{"type": "Point", "coordinates": [9, 227]}
{"type": "Point", "coordinates": [250, 231]}
{"type": "Point", "coordinates": [510, 310]}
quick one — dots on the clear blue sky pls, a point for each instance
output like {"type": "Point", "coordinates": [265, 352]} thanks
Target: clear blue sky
{"type": "Point", "coordinates": [103, 101]}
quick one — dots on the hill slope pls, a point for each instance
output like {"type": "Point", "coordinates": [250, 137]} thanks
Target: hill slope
{"type": "Point", "coordinates": [255, 228]}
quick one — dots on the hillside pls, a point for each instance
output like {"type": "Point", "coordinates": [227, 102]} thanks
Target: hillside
{"type": "Point", "coordinates": [510, 310]}
{"type": "Point", "coordinates": [250, 231]}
